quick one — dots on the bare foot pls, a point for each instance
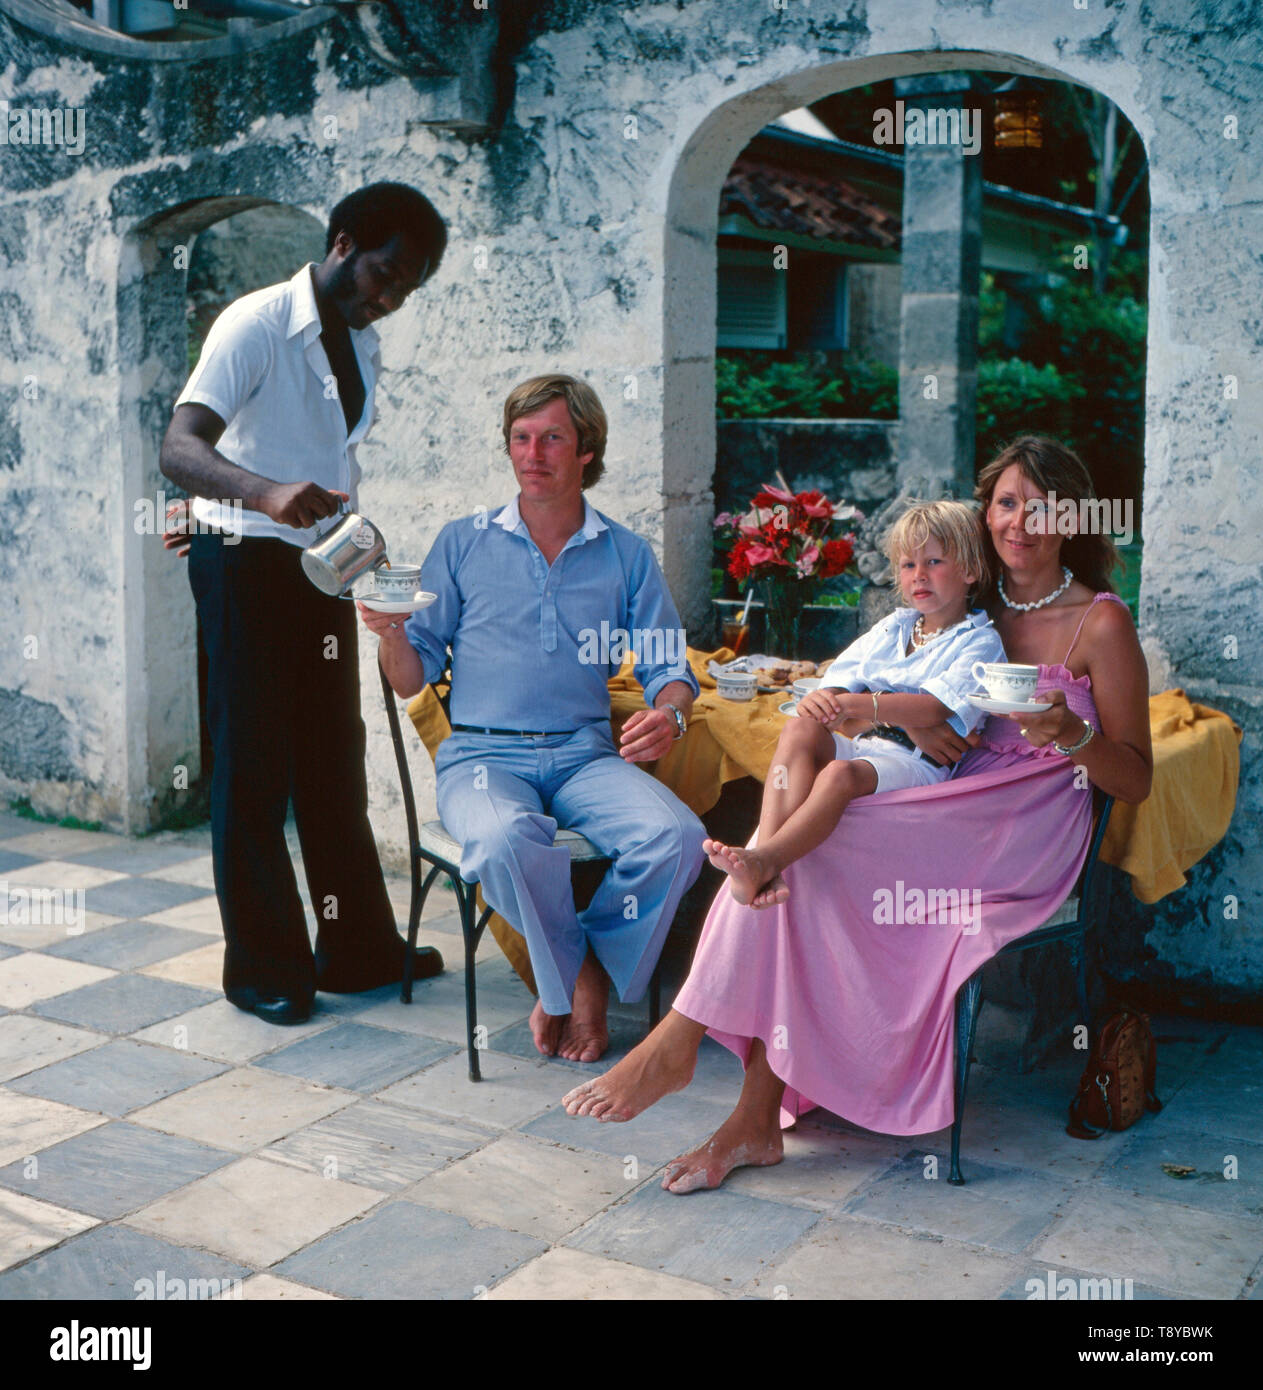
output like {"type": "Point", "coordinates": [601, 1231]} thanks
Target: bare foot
{"type": "Point", "coordinates": [739, 1142]}
{"type": "Point", "coordinates": [585, 1036]}
{"type": "Point", "coordinates": [747, 870]}
{"type": "Point", "coordinates": [652, 1069]}
{"type": "Point", "coordinates": [546, 1029]}
{"type": "Point", "coordinates": [776, 890]}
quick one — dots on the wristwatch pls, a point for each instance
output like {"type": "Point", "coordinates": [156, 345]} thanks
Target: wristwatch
{"type": "Point", "coordinates": [681, 724]}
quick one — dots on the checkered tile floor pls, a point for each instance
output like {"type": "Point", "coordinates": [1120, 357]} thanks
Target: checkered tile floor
{"type": "Point", "coordinates": [151, 1131]}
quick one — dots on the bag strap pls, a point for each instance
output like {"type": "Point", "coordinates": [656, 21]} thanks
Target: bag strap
{"type": "Point", "coordinates": [1078, 1127]}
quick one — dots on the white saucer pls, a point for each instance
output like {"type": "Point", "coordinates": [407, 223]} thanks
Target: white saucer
{"type": "Point", "coordinates": [1008, 706]}
{"type": "Point", "coordinates": [789, 707]}
{"type": "Point", "coordinates": [377, 604]}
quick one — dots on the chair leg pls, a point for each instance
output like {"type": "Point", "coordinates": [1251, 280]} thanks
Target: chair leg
{"type": "Point", "coordinates": [471, 930]}
{"type": "Point", "coordinates": [655, 997]}
{"type": "Point", "coordinates": [968, 999]}
{"type": "Point", "coordinates": [420, 891]}
{"type": "Point", "coordinates": [1078, 958]}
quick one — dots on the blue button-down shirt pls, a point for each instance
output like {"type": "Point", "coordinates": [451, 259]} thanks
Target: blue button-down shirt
{"type": "Point", "coordinates": [533, 645]}
{"type": "Point", "coordinates": [879, 660]}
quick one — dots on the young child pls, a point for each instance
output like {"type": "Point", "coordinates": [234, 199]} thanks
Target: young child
{"type": "Point", "coordinates": [910, 671]}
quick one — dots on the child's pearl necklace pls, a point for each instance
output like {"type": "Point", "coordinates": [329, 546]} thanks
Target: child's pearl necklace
{"type": "Point", "coordinates": [921, 638]}
{"type": "Point", "coordinates": [1043, 602]}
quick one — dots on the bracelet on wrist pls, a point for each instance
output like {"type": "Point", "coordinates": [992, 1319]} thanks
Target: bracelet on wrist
{"type": "Point", "coordinates": [1088, 734]}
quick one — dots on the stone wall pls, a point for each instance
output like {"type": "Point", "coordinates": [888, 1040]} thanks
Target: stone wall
{"type": "Point", "coordinates": [852, 459]}
{"type": "Point", "coordinates": [577, 150]}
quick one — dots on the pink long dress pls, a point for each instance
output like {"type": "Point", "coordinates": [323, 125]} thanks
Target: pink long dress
{"type": "Point", "coordinates": [851, 984]}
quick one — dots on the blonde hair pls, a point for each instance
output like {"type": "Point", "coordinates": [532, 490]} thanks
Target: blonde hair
{"type": "Point", "coordinates": [957, 526]}
{"type": "Point", "coordinates": [586, 412]}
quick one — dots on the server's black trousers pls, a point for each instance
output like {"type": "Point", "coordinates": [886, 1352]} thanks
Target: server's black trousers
{"type": "Point", "coordinates": [283, 705]}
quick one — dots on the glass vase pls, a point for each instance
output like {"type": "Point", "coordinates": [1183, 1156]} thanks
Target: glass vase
{"type": "Point", "coordinates": [785, 604]}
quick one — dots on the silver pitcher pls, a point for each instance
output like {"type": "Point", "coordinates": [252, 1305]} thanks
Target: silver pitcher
{"type": "Point", "coordinates": [338, 557]}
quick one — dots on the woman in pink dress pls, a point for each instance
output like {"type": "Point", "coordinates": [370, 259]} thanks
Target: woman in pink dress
{"type": "Point", "coordinates": [843, 995]}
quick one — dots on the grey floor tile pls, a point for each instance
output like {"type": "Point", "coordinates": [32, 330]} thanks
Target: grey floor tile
{"type": "Point", "coordinates": [116, 1078]}
{"type": "Point", "coordinates": [1000, 1208]}
{"type": "Point", "coordinates": [11, 860]}
{"type": "Point", "coordinates": [1213, 1103]}
{"type": "Point", "coordinates": [404, 1251]}
{"type": "Point", "coordinates": [511, 1091]}
{"type": "Point", "coordinates": [29, 1043]}
{"type": "Point", "coordinates": [128, 946]}
{"type": "Point", "coordinates": [140, 857]}
{"type": "Point", "coordinates": [138, 897]}
{"type": "Point", "coordinates": [719, 1238]}
{"type": "Point", "coordinates": [378, 1145]}
{"type": "Point", "coordinates": [672, 1127]}
{"type": "Point", "coordinates": [356, 1056]}
{"type": "Point", "coordinates": [113, 1169]}
{"type": "Point", "coordinates": [7, 950]}
{"type": "Point", "coordinates": [111, 1262]}
{"type": "Point", "coordinates": [122, 1004]}
{"type": "Point", "coordinates": [1227, 1174]}
{"type": "Point", "coordinates": [11, 826]}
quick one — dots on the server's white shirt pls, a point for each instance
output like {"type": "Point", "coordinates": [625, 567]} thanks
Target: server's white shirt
{"type": "Point", "coordinates": [264, 372]}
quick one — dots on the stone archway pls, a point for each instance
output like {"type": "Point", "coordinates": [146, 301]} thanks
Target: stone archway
{"type": "Point", "coordinates": [162, 715]}
{"type": "Point", "coordinates": [689, 294]}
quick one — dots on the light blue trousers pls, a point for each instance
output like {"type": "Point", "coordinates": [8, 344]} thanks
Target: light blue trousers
{"type": "Point", "coordinates": [503, 799]}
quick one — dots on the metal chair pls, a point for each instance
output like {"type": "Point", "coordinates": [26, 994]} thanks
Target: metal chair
{"type": "Point", "coordinates": [1069, 923]}
{"type": "Point", "coordinates": [431, 844]}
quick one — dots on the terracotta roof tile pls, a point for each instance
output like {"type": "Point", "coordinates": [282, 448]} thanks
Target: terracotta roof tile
{"type": "Point", "coordinates": [793, 200]}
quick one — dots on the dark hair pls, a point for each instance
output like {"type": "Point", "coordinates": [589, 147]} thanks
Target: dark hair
{"type": "Point", "coordinates": [1052, 467]}
{"type": "Point", "coordinates": [585, 409]}
{"type": "Point", "coordinates": [373, 215]}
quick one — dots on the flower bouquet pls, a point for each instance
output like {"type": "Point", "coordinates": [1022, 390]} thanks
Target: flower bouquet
{"type": "Point", "coordinates": [789, 542]}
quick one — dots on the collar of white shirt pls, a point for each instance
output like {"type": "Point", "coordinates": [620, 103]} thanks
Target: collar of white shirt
{"type": "Point", "coordinates": [304, 314]}
{"type": "Point", "coordinates": [510, 517]}
{"type": "Point", "coordinates": [905, 619]}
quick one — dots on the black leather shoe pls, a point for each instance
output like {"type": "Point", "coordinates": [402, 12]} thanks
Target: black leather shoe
{"type": "Point", "coordinates": [426, 963]}
{"type": "Point", "coordinates": [279, 1009]}
{"type": "Point", "coordinates": [271, 1008]}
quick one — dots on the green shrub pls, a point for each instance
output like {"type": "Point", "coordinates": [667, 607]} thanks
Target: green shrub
{"type": "Point", "coordinates": [754, 386]}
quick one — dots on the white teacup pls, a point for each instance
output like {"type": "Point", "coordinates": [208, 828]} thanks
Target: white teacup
{"type": "Point", "coordinates": [1005, 680]}
{"type": "Point", "coordinates": [398, 582]}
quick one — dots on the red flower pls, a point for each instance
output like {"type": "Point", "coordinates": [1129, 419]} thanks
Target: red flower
{"type": "Point", "coordinates": [837, 555]}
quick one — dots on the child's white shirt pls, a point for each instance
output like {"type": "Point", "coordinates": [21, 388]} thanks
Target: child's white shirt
{"type": "Point", "coordinates": [880, 661]}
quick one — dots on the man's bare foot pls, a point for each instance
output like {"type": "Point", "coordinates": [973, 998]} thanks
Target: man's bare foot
{"type": "Point", "coordinates": [585, 1035]}
{"type": "Point", "coordinates": [546, 1029]}
{"type": "Point", "coordinates": [776, 890]}
{"type": "Point", "coordinates": [738, 1143]}
{"type": "Point", "coordinates": [662, 1063]}
{"type": "Point", "coordinates": [747, 869]}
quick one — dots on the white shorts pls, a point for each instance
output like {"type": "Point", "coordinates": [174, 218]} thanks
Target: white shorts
{"type": "Point", "coordinates": [897, 767]}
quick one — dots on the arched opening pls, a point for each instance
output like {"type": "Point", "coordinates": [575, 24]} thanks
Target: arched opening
{"type": "Point", "coordinates": [180, 269]}
{"type": "Point", "coordinates": [693, 235]}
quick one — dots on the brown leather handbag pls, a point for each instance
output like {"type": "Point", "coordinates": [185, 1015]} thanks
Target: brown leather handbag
{"type": "Point", "coordinates": [1117, 1085]}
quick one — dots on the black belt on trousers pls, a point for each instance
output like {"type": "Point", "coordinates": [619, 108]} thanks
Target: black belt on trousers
{"type": "Point", "coordinates": [513, 733]}
{"type": "Point", "coordinates": [896, 735]}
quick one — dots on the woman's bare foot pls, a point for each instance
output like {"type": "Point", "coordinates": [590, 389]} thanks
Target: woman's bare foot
{"type": "Point", "coordinates": [776, 890]}
{"type": "Point", "coordinates": [662, 1063]}
{"type": "Point", "coordinates": [738, 1143]}
{"type": "Point", "coordinates": [747, 869]}
{"type": "Point", "coordinates": [546, 1029]}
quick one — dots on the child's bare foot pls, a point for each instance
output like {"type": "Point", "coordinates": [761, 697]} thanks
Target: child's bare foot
{"type": "Point", "coordinates": [738, 1142]}
{"type": "Point", "coordinates": [746, 869]}
{"type": "Point", "coordinates": [776, 890]}
{"type": "Point", "coordinates": [546, 1029]}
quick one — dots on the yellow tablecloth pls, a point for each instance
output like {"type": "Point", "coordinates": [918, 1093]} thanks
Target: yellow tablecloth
{"type": "Point", "coordinates": [1196, 763]}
